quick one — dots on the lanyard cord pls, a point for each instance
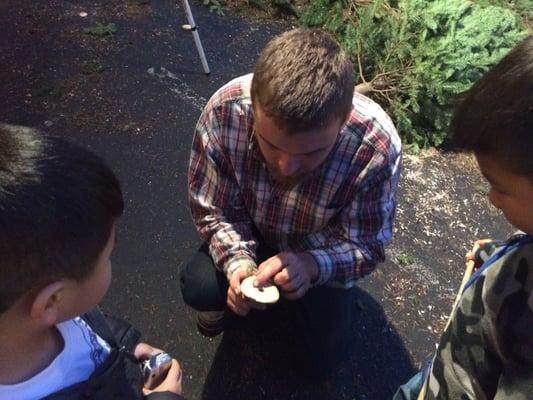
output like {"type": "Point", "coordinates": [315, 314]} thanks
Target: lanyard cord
{"type": "Point", "coordinates": [512, 245]}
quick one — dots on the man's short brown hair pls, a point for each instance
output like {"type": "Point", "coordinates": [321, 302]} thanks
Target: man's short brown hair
{"type": "Point", "coordinates": [303, 79]}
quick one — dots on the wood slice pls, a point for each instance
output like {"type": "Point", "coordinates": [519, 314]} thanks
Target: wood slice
{"type": "Point", "coordinates": [268, 294]}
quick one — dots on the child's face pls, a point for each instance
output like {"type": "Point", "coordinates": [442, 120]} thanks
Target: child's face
{"type": "Point", "coordinates": [88, 293]}
{"type": "Point", "coordinates": [509, 192]}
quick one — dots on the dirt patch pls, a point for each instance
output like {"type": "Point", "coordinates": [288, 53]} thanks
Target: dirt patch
{"type": "Point", "coordinates": [265, 10]}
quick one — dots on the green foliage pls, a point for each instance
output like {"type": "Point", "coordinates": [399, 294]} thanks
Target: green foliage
{"type": "Point", "coordinates": [523, 7]}
{"type": "Point", "coordinates": [277, 7]}
{"type": "Point", "coordinates": [285, 7]}
{"type": "Point", "coordinates": [101, 30]}
{"type": "Point", "coordinates": [92, 68]}
{"type": "Point", "coordinates": [404, 260]}
{"type": "Point", "coordinates": [260, 4]}
{"type": "Point", "coordinates": [215, 6]}
{"type": "Point", "coordinates": [418, 55]}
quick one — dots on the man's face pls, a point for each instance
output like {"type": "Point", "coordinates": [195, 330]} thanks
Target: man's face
{"type": "Point", "coordinates": [290, 158]}
{"type": "Point", "coordinates": [509, 192]}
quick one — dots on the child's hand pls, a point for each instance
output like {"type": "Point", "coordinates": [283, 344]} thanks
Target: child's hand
{"type": "Point", "coordinates": [172, 382]}
{"type": "Point", "coordinates": [143, 351]}
{"type": "Point", "coordinates": [472, 254]}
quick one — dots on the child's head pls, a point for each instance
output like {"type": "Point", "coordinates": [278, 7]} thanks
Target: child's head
{"type": "Point", "coordinates": [58, 207]}
{"type": "Point", "coordinates": [303, 80]}
{"type": "Point", "coordinates": [495, 122]}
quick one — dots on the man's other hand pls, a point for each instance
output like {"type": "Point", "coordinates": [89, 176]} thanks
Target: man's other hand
{"type": "Point", "coordinates": [292, 273]}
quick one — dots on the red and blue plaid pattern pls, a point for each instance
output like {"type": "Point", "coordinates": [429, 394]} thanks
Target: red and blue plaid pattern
{"type": "Point", "coordinates": [342, 214]}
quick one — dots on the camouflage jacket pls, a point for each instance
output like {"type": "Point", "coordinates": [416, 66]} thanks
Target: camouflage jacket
{"type": "Point", "coordinates": [486, 352]}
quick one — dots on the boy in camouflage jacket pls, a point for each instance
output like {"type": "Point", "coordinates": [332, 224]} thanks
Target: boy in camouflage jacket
{"type": "Point", "coordinates": [486, 351]}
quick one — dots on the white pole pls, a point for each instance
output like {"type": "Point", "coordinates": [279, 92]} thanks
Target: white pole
{"type": "Point", "coordinates": [194, 30]}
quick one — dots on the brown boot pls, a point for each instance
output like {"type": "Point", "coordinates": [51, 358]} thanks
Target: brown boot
{"type": "Point", "coordinates": [211, 323]}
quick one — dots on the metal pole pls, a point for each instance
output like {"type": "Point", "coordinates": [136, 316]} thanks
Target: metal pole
{"type": "Point", "coordinates": [194, 30]}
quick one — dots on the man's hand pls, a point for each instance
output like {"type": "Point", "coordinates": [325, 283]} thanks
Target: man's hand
{"type": "Point", "coordinates": [236, 301]}
{"type": "Point", "coordinates": [292, 273]}
{"type": "Point", "coordinates": [172, 382]}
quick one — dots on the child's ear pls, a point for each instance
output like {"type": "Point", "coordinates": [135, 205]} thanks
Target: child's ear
{"type": "Point", "coordinates": [346, 117]}
{"type": "Point", "coordinates": [46, 306]}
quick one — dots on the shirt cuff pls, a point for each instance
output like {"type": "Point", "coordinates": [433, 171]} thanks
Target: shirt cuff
{"type": "Point", "coordinates": [325, 263]}
{"type": "Point", "coordinates": [237, 262]}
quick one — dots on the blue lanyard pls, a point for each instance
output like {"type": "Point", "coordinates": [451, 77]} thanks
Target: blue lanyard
{"type": "Point", "coordinates": [512, 245]}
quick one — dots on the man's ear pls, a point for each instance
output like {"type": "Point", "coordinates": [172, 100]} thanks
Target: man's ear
{"type": "Point", "coordinates": [46, 304]}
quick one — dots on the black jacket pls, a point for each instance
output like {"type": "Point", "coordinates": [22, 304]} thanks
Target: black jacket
{"type": "Point", "coordinates": [119, 377]}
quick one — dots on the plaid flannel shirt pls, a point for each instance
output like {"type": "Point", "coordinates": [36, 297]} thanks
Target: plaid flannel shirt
{"type": "Point", "coordinates": [342, 214]}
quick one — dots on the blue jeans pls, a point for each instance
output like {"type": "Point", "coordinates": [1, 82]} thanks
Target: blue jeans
{"type": "Point", "coordinates": [411, 389]}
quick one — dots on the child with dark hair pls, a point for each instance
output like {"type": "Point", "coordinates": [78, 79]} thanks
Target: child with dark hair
{"type": "Point", "coordinates": [59, 206]}
{"type": "Point", "coordinates": [486, 351]}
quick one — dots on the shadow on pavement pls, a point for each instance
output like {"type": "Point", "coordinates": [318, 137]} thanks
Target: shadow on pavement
{"type": "Point", "coordinates": [259, 359]}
